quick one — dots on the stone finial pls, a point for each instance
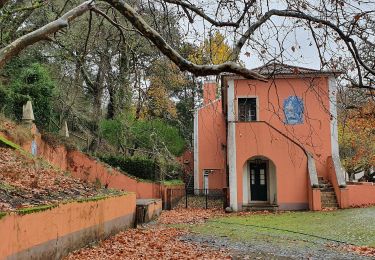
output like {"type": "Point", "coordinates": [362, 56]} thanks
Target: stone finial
{"type": "Point", "coordinates": [64, 131]}
{"type": "Point", "coordinates": [27, 112]}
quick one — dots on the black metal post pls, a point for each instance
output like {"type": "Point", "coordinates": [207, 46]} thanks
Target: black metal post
{"type": "Point", "coordinates": [186, 198]}
{"type": "Point", "coordinates": [169, 199]}
{"type": "Point", "coordinates": [206, 193]}
{"type": "Point", "coordinates": [225, 198]}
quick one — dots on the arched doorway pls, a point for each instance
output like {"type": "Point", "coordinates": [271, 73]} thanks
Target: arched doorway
{"type": "Point", "coordinates": [259, 181]}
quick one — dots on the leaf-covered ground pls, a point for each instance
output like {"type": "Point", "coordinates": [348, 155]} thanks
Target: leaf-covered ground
{"type": "Point", "coordinates": [157, 241]}
{"type": "Point", "coordinates": [26, 181]}
{"type": "Point", "coordinates": [211, 234]}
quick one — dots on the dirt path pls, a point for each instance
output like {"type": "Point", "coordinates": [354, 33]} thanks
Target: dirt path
{"type": "Point", "coordinates": [297, 249]}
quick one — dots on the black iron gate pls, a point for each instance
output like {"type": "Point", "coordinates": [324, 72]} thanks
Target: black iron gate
{"type": "Point", "coordinates": [197, 198]}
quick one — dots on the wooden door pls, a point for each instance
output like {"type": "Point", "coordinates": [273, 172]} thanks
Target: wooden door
{"type": "Point", "coordinates": [258, 181]}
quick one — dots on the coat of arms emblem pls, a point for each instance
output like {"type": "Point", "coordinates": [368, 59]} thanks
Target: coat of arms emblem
{"type": "Point", "coordinates": [293, 110]}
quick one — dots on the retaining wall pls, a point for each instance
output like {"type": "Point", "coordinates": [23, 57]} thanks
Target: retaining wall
{"type": "Point", "coordinates": [361, 194]}
{"type": "Point", "coordinates": [353, 195]}
{"type": "Point", "coordinates": [85, 167]}
{"type": "Point", "coordinates": [53, 233]}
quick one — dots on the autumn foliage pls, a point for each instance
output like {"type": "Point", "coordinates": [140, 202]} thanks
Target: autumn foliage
{"type": "Point", "coordinates": [357, 138]}
{"type": "Point", "coordinates": [216, 50]}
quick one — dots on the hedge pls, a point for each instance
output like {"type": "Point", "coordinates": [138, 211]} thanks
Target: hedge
{"type": "Point", "coordinates": [144, 168]}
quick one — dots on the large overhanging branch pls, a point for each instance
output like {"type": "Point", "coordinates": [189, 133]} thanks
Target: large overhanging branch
{"type": "Point", "coordinates": [42, 33]}
{"type": "Point", "coordinates": [350, 43]}
{"type": "Point", "coordinates": [199, 70]}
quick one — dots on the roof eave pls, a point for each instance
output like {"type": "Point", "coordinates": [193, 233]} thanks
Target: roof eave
{"type": "Point", "coordinates": [288, 75]}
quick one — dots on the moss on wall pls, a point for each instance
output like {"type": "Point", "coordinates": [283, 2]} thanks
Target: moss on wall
{"type": "Point", "coordinates": [99, 197]}
{"type": "Point", "coordinates": [41, 208]}
{"type": "Point", "coordinates": [26, 211]}
{"type": "Point", "coordinates": [3, 214]}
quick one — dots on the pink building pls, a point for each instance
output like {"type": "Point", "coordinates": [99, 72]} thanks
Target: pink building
{"type": "Point", "coordinates": [274, 143]}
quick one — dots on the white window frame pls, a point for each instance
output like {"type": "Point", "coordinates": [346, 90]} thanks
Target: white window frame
{"type": "Point", "coordinates": [257, 108]}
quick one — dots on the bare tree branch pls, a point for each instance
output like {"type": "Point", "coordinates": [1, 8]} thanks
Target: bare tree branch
{"type": "Point", "coordinates": [42, 33]}
{"type": "Point", "coordinates": [199, 12]}
{"type": "Point", "coordinates": [199, 70]}
{"type": "Point", "coordinates": [350, 43]}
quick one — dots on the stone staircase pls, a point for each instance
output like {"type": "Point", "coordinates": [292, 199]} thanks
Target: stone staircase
{"type": "Point", "coordinates": [329, 199]}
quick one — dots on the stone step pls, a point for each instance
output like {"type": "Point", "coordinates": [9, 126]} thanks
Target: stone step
{"type": "Point", "coordinates": [330, 205]}
{"type": "Point", "coordinates": [262, 207]}
{"type": "Point", "coordinates": [330, 189]}
{"type": "Point", "coordinates": [328, 197]}
{"type": "Point", "coordinates": [329, 202]}
{"type": "Point", "coordinates": [328, 193]}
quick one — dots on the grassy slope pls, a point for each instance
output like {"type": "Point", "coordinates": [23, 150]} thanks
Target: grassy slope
{"type": "Point", "coordinates": [355, 226]}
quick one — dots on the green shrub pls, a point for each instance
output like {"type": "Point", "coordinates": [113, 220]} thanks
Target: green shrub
{"type": "Point", "coordinates": [125, 131]}
{"type": "Point", "coordinates": [34, 83]}
{"type": "Point", "coordinates": [113, 130]}
{"type": "Point", "coordinates": [137, 166]}
{"type": "Point", "coordinates": [26, 80]}
{"type": "Point", "coordinates": [145, 168]}
{"type": "Point", "coordinates": [6, 101]}
{"type": "Point", "coordinates": [151, 133]}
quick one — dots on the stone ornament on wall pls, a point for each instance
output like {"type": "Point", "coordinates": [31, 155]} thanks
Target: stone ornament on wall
{"type": "Point", "coordinates": [293, 110]}
{"type": "Point", "coordinates": [34, 148]}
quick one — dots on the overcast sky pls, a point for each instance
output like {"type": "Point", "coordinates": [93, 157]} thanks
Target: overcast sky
{"type": "Point", "coordinates": [298, 44]}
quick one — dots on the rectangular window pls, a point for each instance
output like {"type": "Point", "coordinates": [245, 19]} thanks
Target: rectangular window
{"type": "Point", "coordinates": [262, 177]}
{"type": "Point", "coordinates": [247, 109]}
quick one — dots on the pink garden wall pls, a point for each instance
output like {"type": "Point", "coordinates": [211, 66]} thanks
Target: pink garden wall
{"type": "Point", "coordinates": [53, 233]}
{"type": "Point", "coordinates": [85, 167]}
{"type": "Point", "coordinates": [354, 194]}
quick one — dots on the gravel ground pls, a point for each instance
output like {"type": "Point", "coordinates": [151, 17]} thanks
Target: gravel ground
{"type": "Point", "coordinates": [267, 249]}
